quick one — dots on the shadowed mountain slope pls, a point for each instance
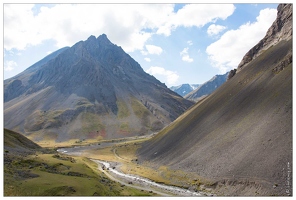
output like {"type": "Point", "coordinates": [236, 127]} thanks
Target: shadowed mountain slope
{"type": "Point", "coordinates": [239, 137]}
{"type": "Point", "coordinates": [15, 142]}
{"type": "Point", "coordinates": [92, 90]}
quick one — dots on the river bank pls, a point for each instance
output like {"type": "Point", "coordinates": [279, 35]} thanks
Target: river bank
{"type": "Point", "coordinates": [112, 170]}
{"type": "Point", "coordinates": [144, 183]}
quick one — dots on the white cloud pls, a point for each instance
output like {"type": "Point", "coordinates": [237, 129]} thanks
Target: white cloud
{"type": "Point", "coordinates": [152, 49]}
{"type": "Point", "coordinates": [16, 17]}
{"type": "Point", "coordinates": [186, 58]}
{"type": "Point", "coordinates": [160, 73]}
{"type": "Point", "coordinates": [189, 42]}
{"type": "Point", "coordinates": [196, 15]}
{"type": "Point", "coordinates": [228, 51]}
{"type": "Point", "coordinates": [147, 59]}
{"type": "Point", "coordinates": [9, 65]}
{"type": "Point", "coordinates": [144, 53]}
{"type": "Point", "coordinates": [124, 24]}
{"type": "Point", "coordinates": [68, 23]}
{"type": "Point", "coordinates": [185, 55]}
{"type": "Point", "coordinates": [215, 29]}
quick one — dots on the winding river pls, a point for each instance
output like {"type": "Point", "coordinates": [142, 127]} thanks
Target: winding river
{"type": "Point", "coordinates": [129, 179]}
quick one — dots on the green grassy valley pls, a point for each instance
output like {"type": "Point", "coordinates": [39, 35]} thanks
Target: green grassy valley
{"type": "Point", "coordinates": [88, 120]}
{"type": "Point", "coordinates": [30, 170]}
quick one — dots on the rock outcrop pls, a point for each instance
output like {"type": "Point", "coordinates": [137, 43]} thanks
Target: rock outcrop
{"type": "Point", "coordinates": [231, 74]}
{"type": "Point", "coordinates": [281, 29]}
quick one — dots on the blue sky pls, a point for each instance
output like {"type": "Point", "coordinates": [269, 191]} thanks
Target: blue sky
{"type": "Point", "coordinates": [176, 43]}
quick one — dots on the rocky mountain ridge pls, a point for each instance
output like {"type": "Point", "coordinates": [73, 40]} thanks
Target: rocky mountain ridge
{"type": "Point", "coordinates": [91, 90]}
{"type": "Point", "coordinates": [281, 29]}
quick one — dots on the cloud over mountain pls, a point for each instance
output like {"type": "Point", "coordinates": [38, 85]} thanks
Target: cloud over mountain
{"type": "Point", "coordinates": [152, 49]}
{"type": "Point", "coordinates": [235, 43]}
{"type": "Point", "coordinates": [171, 76]}
{"type": "Point", "coordinates": [129, 25]}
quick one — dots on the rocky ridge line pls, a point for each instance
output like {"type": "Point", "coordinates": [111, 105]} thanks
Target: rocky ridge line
{"type": "Point", "coordinates": [281, 29]}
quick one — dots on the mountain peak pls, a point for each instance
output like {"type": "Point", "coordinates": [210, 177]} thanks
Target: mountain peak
{"type": "Point", "coordinates": [90, 80]}
{"type": "Point", "coordinates": [104, 38]}
{"type": "Point", "coordinates": [100, 37]}
{"type": "Point", "coordinates": [91, 38]}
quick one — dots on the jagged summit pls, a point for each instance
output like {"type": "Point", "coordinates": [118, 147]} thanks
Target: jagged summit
{"type": "Point", "coordinates": [92, 89]}
{"type": "Point", "coordinates": [103, 37]}
{"type": "Point", "coordinates": [91, 38]}
{"type": "Point", "coordinates": [100, 37]}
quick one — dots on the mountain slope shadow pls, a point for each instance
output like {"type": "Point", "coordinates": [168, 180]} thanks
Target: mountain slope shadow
{"type": "Point", "coordinates": [240, 137]}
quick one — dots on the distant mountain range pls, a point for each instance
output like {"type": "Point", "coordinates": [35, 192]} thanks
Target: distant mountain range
{"type": "Point", "coordinates": [195, 92]}
{"type": "Point", "coordinates": [207, 88]}
{"type": "Point", "coordinates": [184, 88]}
{"type": "Point", "coordinates": [91, 90]}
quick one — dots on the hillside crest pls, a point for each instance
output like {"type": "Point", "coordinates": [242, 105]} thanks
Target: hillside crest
{"type": "Point", "coordinates": [281, 29]}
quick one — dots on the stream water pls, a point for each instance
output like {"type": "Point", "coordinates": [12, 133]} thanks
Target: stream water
{"type": "Point", "coordinates": [129, 179]}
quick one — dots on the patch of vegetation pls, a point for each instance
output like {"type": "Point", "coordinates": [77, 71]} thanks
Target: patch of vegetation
{"type": "Point", "coordinates": [139, 109]}
{"type": "Point", "coordinates": [43, 119]}
{"type": "Point", "coordinates": [91, 122]}
{"type": "Point", "coordinates": [52, 114]}
{"type": "Point", "coordinates": [16, 140]}
{"type": "Point", "coordinates": [60, 191]}
{"type": "Point", "coordinates": [33, 173]}
{"type": "Point", "coordinates": [52, 175]}
{"type": "Point", "coordinates": [124, 127]}
{"type": "Point", "coordinates": [61, 157]}
{"type": "Point", "coordinates": [123, 110]}
{"type": "Point", "coordinates": [83, 103]}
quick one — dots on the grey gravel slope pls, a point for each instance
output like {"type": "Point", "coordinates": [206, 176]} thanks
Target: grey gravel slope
{"type": "Point", "coordinates": [241, 135]}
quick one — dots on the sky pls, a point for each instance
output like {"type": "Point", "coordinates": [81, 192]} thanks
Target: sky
{"type": "Point", "coordinates": [176, 43]}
